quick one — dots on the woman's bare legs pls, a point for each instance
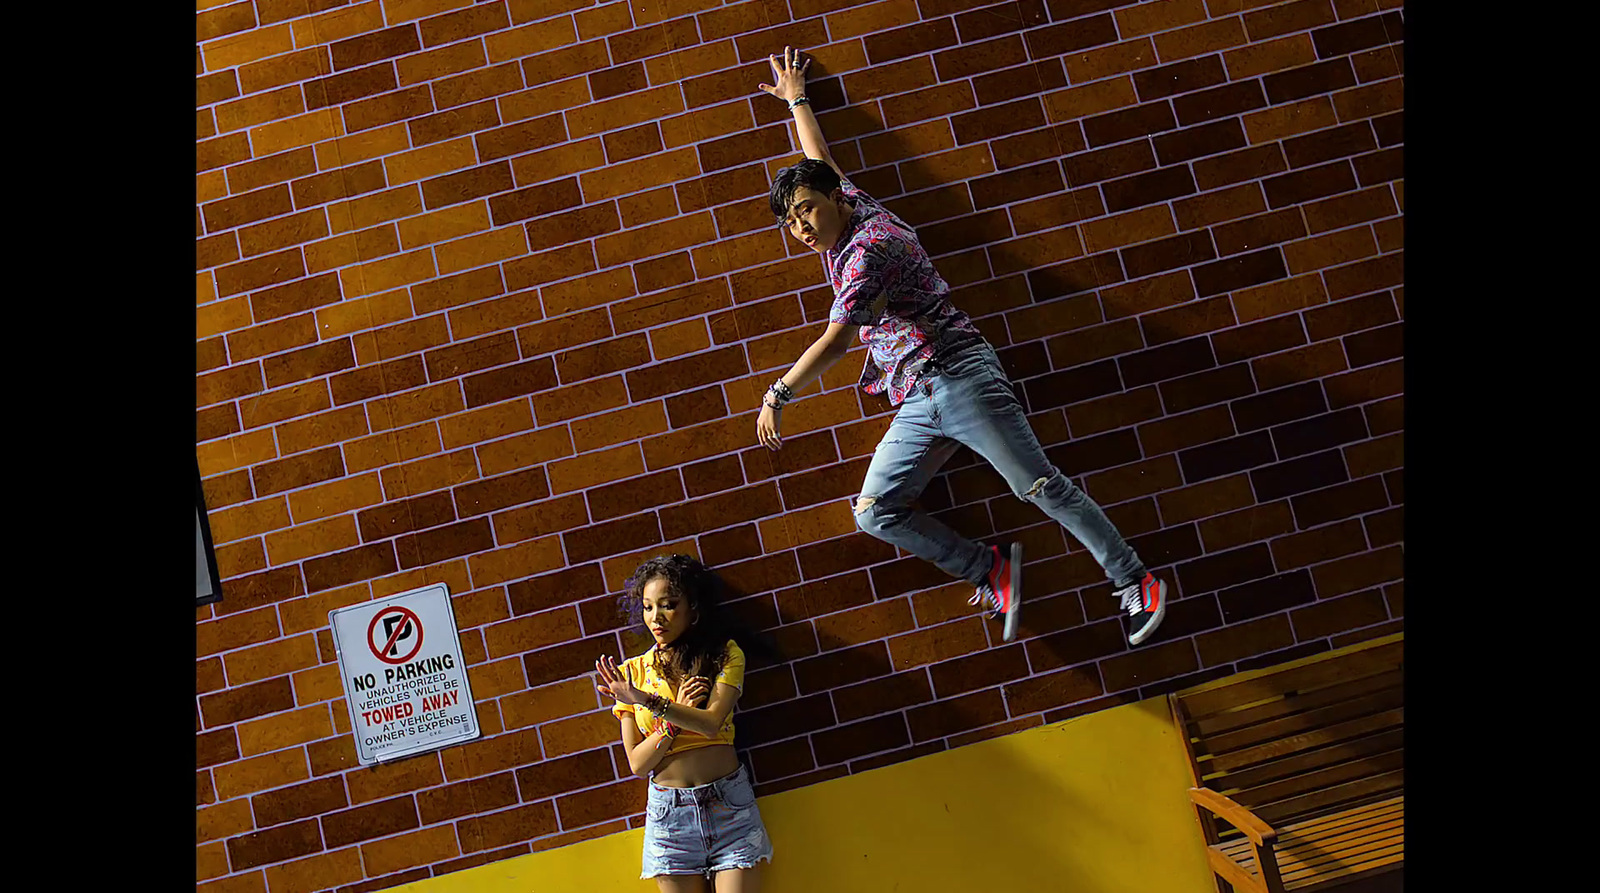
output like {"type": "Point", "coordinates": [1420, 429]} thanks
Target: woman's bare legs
{"type": "Point", "coordinates": [683, 883]}
{"type": "Point", "coordinates": [738, 880]}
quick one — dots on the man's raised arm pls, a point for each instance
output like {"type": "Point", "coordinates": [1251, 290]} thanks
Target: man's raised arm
{"type": "Point", "coordinates": [790, 73]}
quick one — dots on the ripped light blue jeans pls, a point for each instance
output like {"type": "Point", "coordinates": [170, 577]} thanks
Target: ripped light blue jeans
{"type": "Point", "coordinates": [966, 399]}
{"type": "Point", "coordinates": [703, 830]}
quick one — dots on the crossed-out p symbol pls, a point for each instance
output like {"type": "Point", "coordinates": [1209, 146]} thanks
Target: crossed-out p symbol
{"type": "Point", "coordinates": [395, 635]}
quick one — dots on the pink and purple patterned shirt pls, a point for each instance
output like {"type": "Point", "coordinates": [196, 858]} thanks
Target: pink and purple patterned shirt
{"type": "Point", "coordinates": [884, 282]}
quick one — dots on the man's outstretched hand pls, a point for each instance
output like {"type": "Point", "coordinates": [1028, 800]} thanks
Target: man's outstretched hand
{"type": "Point", "coordinates": [767, 427]}
{"type": "Point", "coordinates": [790, 73]}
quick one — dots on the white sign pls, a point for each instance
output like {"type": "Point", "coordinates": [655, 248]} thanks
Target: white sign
{"type": "Point", "coordinates": [404, 679]}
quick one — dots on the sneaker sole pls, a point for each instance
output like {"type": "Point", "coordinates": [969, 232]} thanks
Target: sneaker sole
{"type": "Point", "coordinates": [1015, 614]}
{"type": "Point", "coordinates": [1149, 629]}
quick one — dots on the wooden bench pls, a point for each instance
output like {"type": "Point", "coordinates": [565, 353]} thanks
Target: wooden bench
{"type": "Point", "coordinates": [1304, 766]}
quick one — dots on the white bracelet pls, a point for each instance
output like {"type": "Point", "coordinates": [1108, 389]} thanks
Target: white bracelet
{"type": "Point", "coordinates": [798, 101]}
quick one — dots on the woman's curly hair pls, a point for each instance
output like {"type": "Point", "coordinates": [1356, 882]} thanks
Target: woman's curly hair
{"type": "Point", "coordinates": [701, 650]}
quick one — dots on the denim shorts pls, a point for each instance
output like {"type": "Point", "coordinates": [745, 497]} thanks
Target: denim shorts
{"type": "Point", "coordinates": [704, 829]}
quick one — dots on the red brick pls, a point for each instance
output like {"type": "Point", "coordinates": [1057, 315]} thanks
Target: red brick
{"type": "Point", "coordinates": [1182, 250]}
{"type": "Point", "coordinates": [519, 138]}
{"type": "Point", "coordinates": [474, 86]}
{"type": "Point", "coordinates": [858, 739]}
{"type": "Point", "coordinates": [370, 381]}
{"type": "Point", "coordinates": [465, 185]}
{"type": "Point", "coordinates": [237, 704]}
{"type": "Point", "coordinates": [1385, 271]}
{"type": "Point", "coordinates": [1287, 18]}
{"type": "Point", "coordinates": [465, 357]}
{"type": "Point", "coordinates": [461, 24]}
{"type": "Point", "coordinates": [350, 566]}
{"type": "Point", "coordinates": [634, 142]}
{"type": "Point", "coordinates": [235, 631]}
{"type": "Point", "coordinates": [455, 122]}
{"type": "Point", "coordinates": [443, 543]}
{"type": "Point", "coordinates": [707, 513]}
{"type": "Point", "coordinates": [274, 845]}
{"type": "Point", "coordinates": [300, 801]}
{"type": "Point", "coordinates": [1359, 571]}
{"type": "Point", "coordinates": [441, 62]}
{"type": "Point", "coordinates": [370, 820]}
{"type": "Point", "coordinates": [220, 152]}
{"type": "Point", "coordinates": [676, 375]}
{"type": "Point", "coordinates": [571, 401]}
{"type": "Point", "coordinates": [506, 382]}
{"type": "Point", "coordinates": [218, 21]}
{"type": "Point", "coordinates": [937, 643]}
{"type": "Point", "coordinates": [349, 86]}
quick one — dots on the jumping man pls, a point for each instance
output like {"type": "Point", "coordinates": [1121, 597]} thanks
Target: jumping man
{"type": "Point", "coordinates": [935, 365]}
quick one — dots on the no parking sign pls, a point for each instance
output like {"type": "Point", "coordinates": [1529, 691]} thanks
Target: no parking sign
{"type": "Point", "coordinates": [404, 679]}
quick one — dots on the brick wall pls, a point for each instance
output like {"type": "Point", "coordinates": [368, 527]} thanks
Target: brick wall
{"type": "Point", "coordinates": [487, 293]}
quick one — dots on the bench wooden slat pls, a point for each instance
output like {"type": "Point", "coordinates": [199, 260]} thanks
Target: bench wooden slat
{"type": "Point", "coordinates": [1352, 863]}
{"type": "Point", "coordinates": [1337, 822]}
{"type": "Point", "coordinates": [1307, 718]}
{"type": "Point", "coordinates": [1282, 747]}
{"type": "Point", "coordinates": [1220, 724]}
{"type": "Point", "coordinates": [1353, 853]}
{"type": "Point", "coordinates": [1308, 761]}
{"type": "Point", "coordinates": [1350, 852]}
{"type": "Point", "coordinates": [1338, 826]}
{"type": "Point", "coordinates": [1342, 796]}
{"type": "Point", "coordinates": [1335, 846]}
{"type": "Point", "coordinates": [1317, 780]}
{"type": "Point", "coordinates": [1293, 855]}
{"type": "Point", "coordinates": [1305, 674]}
{"type": "Point", "coordinates": [1381, 862]}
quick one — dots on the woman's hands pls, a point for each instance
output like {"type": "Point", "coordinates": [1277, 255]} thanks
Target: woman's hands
{"type": "Point", "coordinates": [614, 684]}
{"type": "Point", "coordinates": [694, 692]}
{"type": "Point", "coordinates": [790, 75]}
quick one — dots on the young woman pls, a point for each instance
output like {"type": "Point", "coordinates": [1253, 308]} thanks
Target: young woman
{"type": "Point", "coordinates": [675, 703]}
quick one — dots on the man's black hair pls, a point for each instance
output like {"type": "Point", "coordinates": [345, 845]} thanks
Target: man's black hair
{"type": "Point", "coordinates": [812, 173]}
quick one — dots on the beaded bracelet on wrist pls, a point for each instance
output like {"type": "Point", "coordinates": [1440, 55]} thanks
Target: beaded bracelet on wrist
{"type": "Point", "coordinates": [781, 392]}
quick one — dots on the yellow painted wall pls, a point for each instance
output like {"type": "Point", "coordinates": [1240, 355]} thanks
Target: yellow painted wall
{"type": "Point", "coordinates": [1095, 804]}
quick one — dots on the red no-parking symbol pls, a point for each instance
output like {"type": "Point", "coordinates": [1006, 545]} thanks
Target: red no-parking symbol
{"type": "Point", "coordinates": [395, 635]}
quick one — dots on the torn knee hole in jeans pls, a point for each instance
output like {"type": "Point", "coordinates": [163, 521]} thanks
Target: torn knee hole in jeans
{"type": "Point", "coordinates": [1038, 485]}
{"type": "Point", "coordinates": [864, 502]}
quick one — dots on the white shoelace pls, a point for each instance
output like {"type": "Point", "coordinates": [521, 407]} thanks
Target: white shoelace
{"type": "Point", "coordinates": [1131, 600]}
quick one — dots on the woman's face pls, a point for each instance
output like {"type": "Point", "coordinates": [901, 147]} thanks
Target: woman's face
{"type": "Point", "coordinates": [666, 613]}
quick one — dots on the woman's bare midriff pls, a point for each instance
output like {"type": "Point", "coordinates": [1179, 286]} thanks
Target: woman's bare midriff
{"type": "Point", "coordinates": [692, 768]}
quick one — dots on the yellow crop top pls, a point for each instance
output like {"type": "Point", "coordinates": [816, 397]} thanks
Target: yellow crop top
{"type": "Point", "coordinates": [642, 671]}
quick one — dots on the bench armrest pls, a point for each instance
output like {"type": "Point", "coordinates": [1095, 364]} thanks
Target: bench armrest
{"type": "Point", "coordinates": [1258, 831]}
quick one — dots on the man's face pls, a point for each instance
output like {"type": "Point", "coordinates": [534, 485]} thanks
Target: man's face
{"type": "Point", "coordinates": [815, 219]}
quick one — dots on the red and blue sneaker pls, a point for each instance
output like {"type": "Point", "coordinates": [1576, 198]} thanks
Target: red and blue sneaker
{"type": "Point", "coordinates": [1146, 603]}
{"type": "Point", "coordinates": [1001, 589]}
